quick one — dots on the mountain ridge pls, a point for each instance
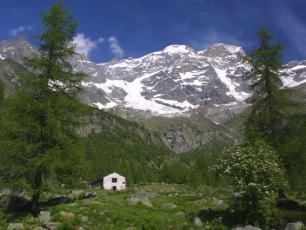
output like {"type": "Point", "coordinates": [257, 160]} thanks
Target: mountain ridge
{"type": "Point", "coordinates": [168, 91]}
{"type": "Point", "coordinates": [176, 81]}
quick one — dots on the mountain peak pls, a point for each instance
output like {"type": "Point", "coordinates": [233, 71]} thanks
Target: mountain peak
{"type": "Point", "coordinates": [16, 49]}
{"type": "Point", "coordinates": [178, 49]}
{"type": "Point", "coordinates": [230, 48]}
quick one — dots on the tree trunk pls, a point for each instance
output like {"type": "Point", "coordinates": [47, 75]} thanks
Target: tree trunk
{"type": "Point", "coordinates": [35, 203]}
{"type": "Point", "coordinates": [35, 209]}
{"type": "Point", "coordinates": [281, 194]}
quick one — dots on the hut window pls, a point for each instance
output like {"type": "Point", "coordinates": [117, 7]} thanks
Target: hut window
{"type": "Point", "coordinates": [114, 180]}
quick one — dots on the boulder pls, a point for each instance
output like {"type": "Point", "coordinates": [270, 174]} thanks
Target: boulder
{"type": "Point", "coordinates": [248, 227]}
{"type": "Point", "coordinates": [51, 226]}
{"type": "Point", "coordinates": [67, 215]}
{"type": "Point", "coordinates": [168, 206]}
{"type": "Point", "coordinates": [140, 197]}
{"type": "Point", "coordinates": [88, 195]}
{"type": "Point", "coordinates": [44, 217]}
{"type": "Point", "coordinates": [237, 195]}
{"type": "Point", "coordinates": [294, 226]}
{"type": "Point", "coordinates": [219, 203]}
{"type": "Point", "coordinates": [13, 202]}
{"type": "Point", "coordinates": [181, 214]}
{"type": "Point", "coordinates": [84, 219]}
{"type": "Point", "coordinates": [75, 194]}
{"type": "Point", "coordinates": [40, 228]}
{"type": "Point", "coordinates": [15, 226]}
{"type": "Point", "coordinates": [197, 222]}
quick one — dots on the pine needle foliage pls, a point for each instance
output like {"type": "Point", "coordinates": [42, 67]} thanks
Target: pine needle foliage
{"type": "Point", "coordinates": [270, 100]}
{"type": "Point", "coordinates": [40, 142]}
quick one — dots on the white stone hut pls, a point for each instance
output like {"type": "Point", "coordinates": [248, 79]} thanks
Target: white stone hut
{"type": "Point", "coordinates": [114, 182]}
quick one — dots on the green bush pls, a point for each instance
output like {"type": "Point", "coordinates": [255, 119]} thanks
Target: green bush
{"type": "Point", "coordinates": [254, 170]}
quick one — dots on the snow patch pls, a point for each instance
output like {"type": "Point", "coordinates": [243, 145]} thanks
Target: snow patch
{"type": "Point", "coordinates": [175, 49]}
{"type": "Point", "coordinates": [94, 74]}
{"type": "Point", "coordinates": [298, 67]}
{"type": "Point", "coordinates": [289, 81]}
{"type": "Point", "coordinates": [134, 99]}
{"type": "Point", "coordinates": [108, 105]}
{"type": "Point", "coordinates": [1, 57]}
{"type": "Point", "coordinates": [230, 85]}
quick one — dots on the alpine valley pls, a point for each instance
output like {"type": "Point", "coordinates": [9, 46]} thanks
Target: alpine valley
{"type": "Point", "coordinates": [182, 99]}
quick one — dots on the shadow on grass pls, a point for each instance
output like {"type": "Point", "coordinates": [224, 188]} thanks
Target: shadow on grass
{"type": "Point", "coordinates": [228, 217]}
{"type": "Point", "coordinates": [287, 211]}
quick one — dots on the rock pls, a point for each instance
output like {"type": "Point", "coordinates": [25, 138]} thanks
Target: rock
{"type": "Point", "coordinates": [81, 228]}
{"type": "Point", "coordinates": [51, 226]}
{"type": "Point", "coordinates": [197, 222]}
{"type": "Point", "coordinates": [294, 226]}
{"type": "Point", "coordinates": [144, 201]}
{"type": "Point", "coordinates": [40, 228]}
{"type": "Point", "coordinates": [44, 217]}
{"type": "Point", "coordinates": [15, 226]}
{"type": "Point", "coordinates": [13, 202]}
{"type": "Point", "coordinates": [140, 197]}
{"type": "Point", "coordinates": [67, 215]}
{"type": "Point", "coordinates": [248, 227]}
{"type": "Point", "coordinates": [168, 206]}
{"type": "Point", "coordinates": [219, 203]}
{"type": "Point", "coordinates": [84, 219]}
{"type": "Point", "coordinates": [181, 214]}
{"type": "Point", "coordinates": [237, 195]}
{"type": "Point", "coordinates": [75, 194]}
{"type": "Point", "coordinates": [88, 195]}
{"type": "Point", "coordinates": [131, 228]}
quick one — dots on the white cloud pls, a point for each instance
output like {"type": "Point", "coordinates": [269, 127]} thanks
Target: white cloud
{"type": "Point", "coordinates": [85, 45]}
{"type": "Point", "coordinates": [20, 29]}
{"type": "Point", "coordinates": [115, 47]}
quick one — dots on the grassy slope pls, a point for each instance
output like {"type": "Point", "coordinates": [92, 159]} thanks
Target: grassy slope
{"type": "Point", "coordinates": [113, 211]}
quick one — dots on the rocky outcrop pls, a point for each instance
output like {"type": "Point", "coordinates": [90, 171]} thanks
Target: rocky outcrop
{"type": "Point", "coordinates": [294, 226]}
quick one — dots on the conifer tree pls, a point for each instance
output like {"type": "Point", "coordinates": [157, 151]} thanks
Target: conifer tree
{"type": "Point", "coordinates": [40, 142]}
{"type": "Point", "coordinates": [270, 101]}
{"type": "Point", "coordinates": [1, 92]}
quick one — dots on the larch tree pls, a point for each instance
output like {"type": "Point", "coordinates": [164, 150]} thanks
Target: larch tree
{"type": "Point", "coordinates": [40, 143]}
{"type": "Point", "coordinates": [270, 101]}
{"type": "Point", "coordinates": [1, 92]}
{"type": "Point", "coordinates": [273, 111]}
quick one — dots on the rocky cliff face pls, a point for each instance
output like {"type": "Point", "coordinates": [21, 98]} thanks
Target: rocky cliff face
{"type": "Point", "coordinates": [171, 82]}
{"type": "Point", "coordinates": [175, 82]}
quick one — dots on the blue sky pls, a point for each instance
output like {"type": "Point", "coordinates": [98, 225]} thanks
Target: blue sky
{"type": "Point", "coordinates": [111, 29]}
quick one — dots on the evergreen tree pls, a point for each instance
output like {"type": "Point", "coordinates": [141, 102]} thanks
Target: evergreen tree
{"type": "Point", "coordinates": [1, 105]}
{"type": "Point", "coordinates": [270, 101]}
{"type": "Point", "coordinates": [274, 116]}
{"type": "Point", "coordinates": [40, 141]}
{"type": "Point", "coordinates": [1, 93]}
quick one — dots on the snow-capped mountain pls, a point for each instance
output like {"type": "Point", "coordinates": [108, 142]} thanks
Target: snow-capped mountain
{"type": "Point", "coordinates": [173, 82]}
{"type": "Point", "coordinates": [16, 49]}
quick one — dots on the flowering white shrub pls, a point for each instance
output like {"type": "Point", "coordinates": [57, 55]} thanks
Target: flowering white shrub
{"type": "Point", "coordinates": [254, 170]}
